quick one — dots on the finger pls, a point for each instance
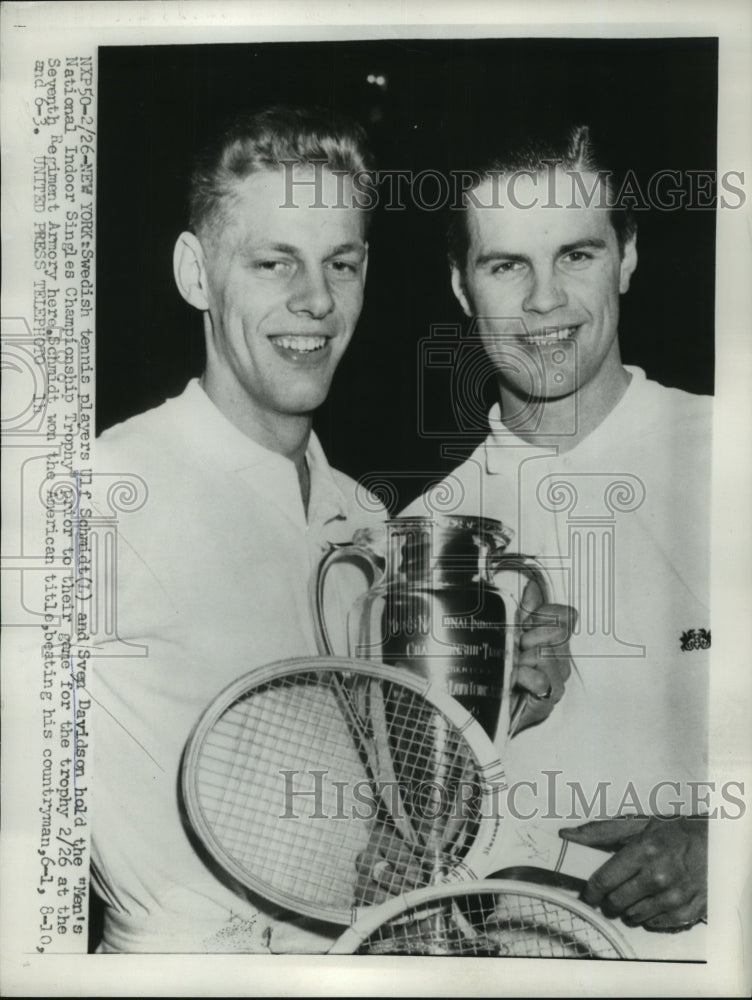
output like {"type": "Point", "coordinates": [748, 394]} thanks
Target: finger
{"type": "Point", "coordinates": [626, 864]}
{"type": "Point", "coordinates": [532, 597]}
{"type": "Point", "coordinates": [605, 834]}
{"type": "Point", "coordinates": [560, 666]}
{"type": "Point", "coordinates": [377, 873]}
{"type": "Point", "coordinates": [630, 893]}
{"type": "Point", "coordinates": [546, 616]}
{"type": "Point", "coordinates": [367, 889]}
{"type": "Point", "coordinates": [668, 910]}
{"type": "Point", "coordinates": [387, 842]}
{"type": "Point", "coordinates": [398, 853]}
{"type": "Point", "coordinates": [559, 617]}
{"type": "Point", "coordinates": [394, 879]}
{"type": "Point", "coordinates": [534, 635]}
{"type": "Point", "coordinates": [394, 867]}
{"type": "Point", "coordinates": [678, 920]}
{"type": "Point", "coordinates": [557, 668]}
{"type": "Point", "coordinates": [538, 683]}
{"type": "Point", "coordinates": [385, 846]}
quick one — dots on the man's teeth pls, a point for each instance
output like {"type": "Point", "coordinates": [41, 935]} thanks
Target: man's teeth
{"type": "Point", "coordinates": [300, 344]}
{"type": "Point", "coordinates": [549, 334]}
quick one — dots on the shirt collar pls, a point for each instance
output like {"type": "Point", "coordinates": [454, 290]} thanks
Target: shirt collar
{"type": "Point", "coordinates": [501, 438]}
{"type": "Point", "coordinates": [213, 435]}
{"type": "Point", "coordinates": [225, 445]}
{"type": "Point", "coordinates": [327, 500]}
{"type": "Point", "coordinates": [499, 441]}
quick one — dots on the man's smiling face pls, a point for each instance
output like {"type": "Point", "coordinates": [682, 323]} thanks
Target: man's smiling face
{"type": "Point", "coordinates": [544, 283]}
{"type": "Point", "coordinates": [284, 289]}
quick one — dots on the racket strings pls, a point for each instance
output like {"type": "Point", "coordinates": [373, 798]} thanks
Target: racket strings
{"type": "Point", "coordinates": [310, 780]}
{"type": "Point", "coordinates": [433, 763]}
{"type": "Point", "coordinates": [492, 924]}
{"type": "Point", "coordinates": [263, 793]}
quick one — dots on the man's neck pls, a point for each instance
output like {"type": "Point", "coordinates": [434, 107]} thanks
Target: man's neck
{"type": "Point", "coordinates": [285, 434]}
{"type": "Point", "coordinates": [565, 421]}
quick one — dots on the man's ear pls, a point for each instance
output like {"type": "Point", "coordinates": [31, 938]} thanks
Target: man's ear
{"type": "Point", "coordinates": [458, 287]}
{"type": "Point", "coordinates": [628, 263]}
{"type": "Point", "coordinates": [189, 269]}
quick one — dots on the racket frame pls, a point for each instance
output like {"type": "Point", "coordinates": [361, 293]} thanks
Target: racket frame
{"type": "Point", "coordinates": [367, 921]}
{"type": "Point", "coordinates": [476, 864]}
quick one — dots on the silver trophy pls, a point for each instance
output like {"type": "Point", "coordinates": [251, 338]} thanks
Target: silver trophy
{"type": "Point", "coordinates": [444, 601]}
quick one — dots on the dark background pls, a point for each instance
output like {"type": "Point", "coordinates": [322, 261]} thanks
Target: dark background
{"type": "Point", "coordinates": [657, 98]}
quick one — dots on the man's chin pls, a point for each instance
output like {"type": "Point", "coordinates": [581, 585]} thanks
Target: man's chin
{"type": "Point", "coordinates": [304, 406]}
{"type": "Point", "coordinates": [543, 391]}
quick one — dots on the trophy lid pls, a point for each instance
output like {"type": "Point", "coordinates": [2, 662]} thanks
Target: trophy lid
{"type": "Point", "coordinates": [491, 532]}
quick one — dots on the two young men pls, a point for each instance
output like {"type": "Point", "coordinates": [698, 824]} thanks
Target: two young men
{"type": "Point", "coordinates": [242, 503]}
{"type": "Point", "coordinates": [214, 566]}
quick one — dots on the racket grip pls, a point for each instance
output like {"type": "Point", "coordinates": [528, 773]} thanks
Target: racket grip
{"type": "Point", "coordinates": [542, 876]}
{"type": "Point", "coordinates": [519, 704]}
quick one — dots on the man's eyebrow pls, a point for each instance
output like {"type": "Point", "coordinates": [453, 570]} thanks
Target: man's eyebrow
{"type": "Point", "coordinates": [586, 243]}
{"type": "Point", "coordinates": [492, 255]}
{"type": "Point", "coordinates": [287, 248]}
{"type": "Point", "coordinates": [294, 251]}
{"type": "Point", "coordinates": [349, 248]}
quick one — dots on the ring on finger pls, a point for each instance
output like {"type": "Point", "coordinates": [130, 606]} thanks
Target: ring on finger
{"type": "Point", "coordinates": [546, 694]}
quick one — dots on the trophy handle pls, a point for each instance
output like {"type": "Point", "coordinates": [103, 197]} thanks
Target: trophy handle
{"type": "Point", "coordinates": [520, 566]}
{"type": "Point", "coordinates": [356, 549]}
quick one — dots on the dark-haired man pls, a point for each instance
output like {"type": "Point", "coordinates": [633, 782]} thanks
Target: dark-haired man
{"type": "Point", "coordinates": [597, 470]}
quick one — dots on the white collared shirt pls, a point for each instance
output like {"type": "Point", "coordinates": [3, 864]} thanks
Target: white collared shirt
{"type": "Point", "coordinates": [212, 581]}
{"type": "Point", "coordinates": [621, 522]}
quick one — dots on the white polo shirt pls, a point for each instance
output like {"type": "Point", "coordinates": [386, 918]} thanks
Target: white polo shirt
{"type": "Point", "coordinates": [212, 580]}
{"type": "Point", "coordinates": [622, 524]}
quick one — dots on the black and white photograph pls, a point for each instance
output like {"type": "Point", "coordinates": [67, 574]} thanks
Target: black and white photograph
{"type": "Point", "coordinates": [376, 558]}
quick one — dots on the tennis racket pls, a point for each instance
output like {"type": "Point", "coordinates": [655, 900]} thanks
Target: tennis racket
{"type": "Point", "coordinates": [305, 779]}
{"type": "Point", "coordinates": [490, 917]}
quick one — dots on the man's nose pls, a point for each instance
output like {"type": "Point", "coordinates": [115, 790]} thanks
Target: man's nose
{"type": "Point", "coordinates": [311, 294]}
{"type": "Point", "coordinates": [545, 292]}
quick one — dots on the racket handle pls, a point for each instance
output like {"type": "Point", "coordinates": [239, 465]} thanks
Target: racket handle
{"type": "Point", "coordinates": [519, 704]}
{"type": "Point", "coordinates": [541, 876]}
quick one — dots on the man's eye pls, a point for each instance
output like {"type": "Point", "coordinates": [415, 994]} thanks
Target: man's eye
{"type": "Point", "coordinates": [271, 266]}
{"type": "Point", "coordinates": [506, 266]}
{"type": "Point", "coordinates": [345, 267]}
{"type": "Point", "coordinates": [577, 257]}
